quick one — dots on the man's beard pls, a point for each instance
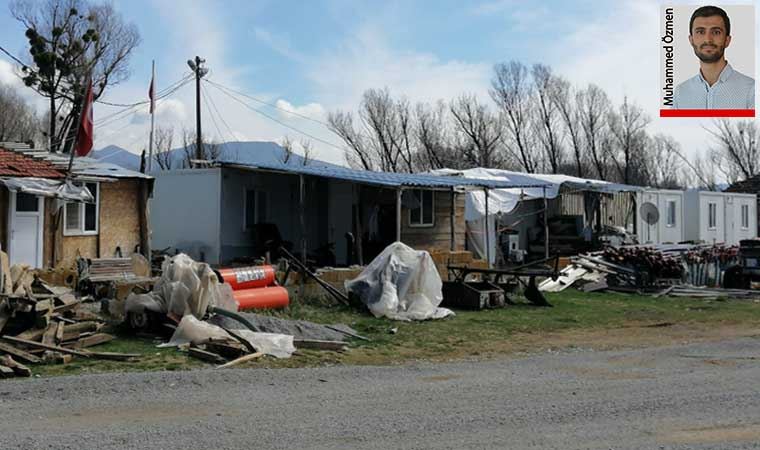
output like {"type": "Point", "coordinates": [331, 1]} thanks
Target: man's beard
{"type": "Point", "coordinates": [715, 57]}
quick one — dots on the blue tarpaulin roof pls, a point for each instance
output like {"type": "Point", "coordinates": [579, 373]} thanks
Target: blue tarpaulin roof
{"type": "Point", "coordinates": [388, 179]}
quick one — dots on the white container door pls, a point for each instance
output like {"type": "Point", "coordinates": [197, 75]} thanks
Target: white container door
{"type": "Point", "coordinates": [25, 230]}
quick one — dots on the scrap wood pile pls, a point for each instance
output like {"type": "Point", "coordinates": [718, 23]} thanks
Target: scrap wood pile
{"type": "Point", "coordinates": [672, 270]}
{"type": "Point", "coordinates": [45, 324]}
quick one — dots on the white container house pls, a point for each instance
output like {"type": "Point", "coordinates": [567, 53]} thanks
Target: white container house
{"type": "Point", "coordinates": [720, 217]}
{"type": "Point", "coordinates": [669, 227]}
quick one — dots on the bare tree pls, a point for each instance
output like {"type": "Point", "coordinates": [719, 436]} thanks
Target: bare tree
{"type": "Point", "coordinates": [287, 150]}
{"type": "Point", "coordinates": [737, 154]}
{"type": "Point", "coordinates": [548, 116]}
{"type": "Point", "coordinates": [510, 89]}
{"type": "Point", "coordinates": [436, 144]}
{"type": "Point", "coordinates": [567, 106]}
{"type": "Point", "coordinates": [593, 105]}
{"type": "Point", "coordinates": [480, 131]}
{"type": "Point", "coordinates": [307, 148]}
{"type": "Point", "coordinates": [663, 162]}
{"type": "Point", "coordinates": [69, 42]}
{"type": "Point", "coordinates": [383, 139]}
{"type": "Point", "coordinates": [627, 126]}
{"type": "Point", "coordinates": [163, 139]}
{"type": "Point", "coordinates": [18, 120]}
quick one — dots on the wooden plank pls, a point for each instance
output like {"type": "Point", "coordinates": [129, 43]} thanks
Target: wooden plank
{"type": "Point", "coordinates": [90, 341]}
{"type": "Point", "coordinates": [319, 344]}
{"type": "Point", "coordinates": [59, 333]}
{"type": "Point", "coordinates": [18, 353]}
{"type": "Point", "coordinates": [6, 372]}
{"type": "Point", "coordinates": [33, 334]}
{"type": "Point", "coordinates": [49, 336]}
{"type": "Point", "coordinates": [46, 346]}
{"type": "Point", "coordinates": [113, 356]}
{"type": "Point", "coordinates": [18, 368]}
{"type": "Point", "coordinates": [204, 355]}
{"type": "Point", "coordinates": [241, 360]}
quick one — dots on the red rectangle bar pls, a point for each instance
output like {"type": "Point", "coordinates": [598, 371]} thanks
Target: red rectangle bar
{"type": "Point", "coordinates": [707, 113]}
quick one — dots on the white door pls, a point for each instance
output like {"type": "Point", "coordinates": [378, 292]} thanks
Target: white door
{"type": "Point", "coordinates": [25, 230]}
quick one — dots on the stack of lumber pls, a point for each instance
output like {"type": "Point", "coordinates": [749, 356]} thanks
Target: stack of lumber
{"type": "Point", "coordinates": [40, 323]}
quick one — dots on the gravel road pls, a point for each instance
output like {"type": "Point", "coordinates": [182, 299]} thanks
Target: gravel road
{"type": "Point", "coordinates": [692, 396]}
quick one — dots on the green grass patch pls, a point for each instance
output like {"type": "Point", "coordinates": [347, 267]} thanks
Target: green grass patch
{"type": "Point", "coordinates": [468, 334]}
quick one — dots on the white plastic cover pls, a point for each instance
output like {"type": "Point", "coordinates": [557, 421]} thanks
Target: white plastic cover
{"type": "Point", "coordinates": [192, 330]}
{"type": "Point", "coordinates": [185, 287]}
{"type": "Point", "coordinates": [64, 190]}
{"type": "Point", "coordinates": [401, 284]}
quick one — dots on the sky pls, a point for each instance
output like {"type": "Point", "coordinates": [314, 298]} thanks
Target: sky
{"type": "Point", "coordinates": [312, 57]}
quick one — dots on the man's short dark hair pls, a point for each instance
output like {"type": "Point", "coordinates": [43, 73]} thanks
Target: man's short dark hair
{"type": "Point", "coordinates": [709, 11]}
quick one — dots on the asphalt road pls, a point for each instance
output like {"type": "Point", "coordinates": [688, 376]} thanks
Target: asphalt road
{"type": "Point", "coordinates": [696, 396]}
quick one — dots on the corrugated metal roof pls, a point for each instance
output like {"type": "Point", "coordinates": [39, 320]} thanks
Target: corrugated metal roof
{"type": "Point", "coordinates": [82, 166]}
{"type": "Point", "coordinates": [388, 179]}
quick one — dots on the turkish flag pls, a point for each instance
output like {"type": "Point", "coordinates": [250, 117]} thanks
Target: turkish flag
{"type": "Point", "coordinates": [84, 136]}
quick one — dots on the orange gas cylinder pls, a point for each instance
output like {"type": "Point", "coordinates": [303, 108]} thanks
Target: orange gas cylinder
{"type": "Point", "coordinates": [272, 297]}
{"type": "Point", "coordinates": [248, 277]}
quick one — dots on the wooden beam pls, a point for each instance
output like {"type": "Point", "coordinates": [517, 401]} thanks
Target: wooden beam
{"type": "Point", "coordinates": [487, 240]}
{"type": "Point", "coordinates": [46, 346]}
{"type": "Point", "coordinates": [399, 191]}
{"type": "Point", "coordinates": [18, 353]}
{"type": "Point", "coordinates": [241, 360]}
{"type": "Point", "coordinates": [452, 217]}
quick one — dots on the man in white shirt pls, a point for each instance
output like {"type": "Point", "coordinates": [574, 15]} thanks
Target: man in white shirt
{"type": "Point", "coordinates": [717, 85]}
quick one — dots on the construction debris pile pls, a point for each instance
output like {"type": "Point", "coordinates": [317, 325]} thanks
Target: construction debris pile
{"type": "Point", "coordinates": [674, 270]}
{"type": "Point", "coordinates": [45, 324]}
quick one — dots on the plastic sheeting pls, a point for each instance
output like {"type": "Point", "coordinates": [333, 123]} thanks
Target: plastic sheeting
{"type": "Point", "coordinates": [185, 287]}
{"type": "Point", "coordinates": [401, 284]}
{"type": "Point", "coordinates": [505, 200]}
{"type": "Point", "coordinates": [64, 190]}
{"type": "Point", "coordinates": [193, 331]}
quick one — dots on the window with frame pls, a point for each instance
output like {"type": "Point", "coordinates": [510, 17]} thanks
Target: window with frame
{"type": "Point", "coordinates": [421, 213]}
{"type": "Point", "coordinates": [82, 218]}
{"type": "Point", "coordinates": [712, 215]}
{"type": "Point", "coordinates": [255, 207]}
{"type": "Point", "coordinates": [671, 222]}
{"type": "Point", "coordinates": [745, 216]}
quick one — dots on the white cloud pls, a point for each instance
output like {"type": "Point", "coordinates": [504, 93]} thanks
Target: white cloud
{"type": "Point", "coordinates": [7, 74]}
{"type": "Point", "coordinates": [311, 110]}
{"type": "Point", "coordinates": [366, 61]}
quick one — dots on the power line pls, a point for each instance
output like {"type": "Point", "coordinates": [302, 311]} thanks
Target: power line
{"type": "Point", "coordinates": [10, 55]}
{"type": "Point", "coordinates": [221, 117]}
{"type": "Point", "coordinates": [213, 118]}
{"type": "Point", "coordinates": [218, 85]}
{"type": "Point", "coordinates": [280, 122]}
{"type": "Point", "coordinates": [160, 93]}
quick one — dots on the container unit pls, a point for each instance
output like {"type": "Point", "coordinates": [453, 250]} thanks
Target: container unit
{"type": "Point", "coordinates": [718, 217]}
{"type": "Point", "coordinates": [669, 228]}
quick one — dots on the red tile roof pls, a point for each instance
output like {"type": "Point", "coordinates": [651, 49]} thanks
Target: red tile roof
{"type": "Point", "coordinates": [14, 164]}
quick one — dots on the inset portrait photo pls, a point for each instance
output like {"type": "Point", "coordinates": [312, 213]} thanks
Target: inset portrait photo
{"type": "Point", "coordinates": [707, 55]}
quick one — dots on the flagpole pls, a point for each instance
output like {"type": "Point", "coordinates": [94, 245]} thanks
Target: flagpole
{"type": "Point", "coordinates": [152, 114]}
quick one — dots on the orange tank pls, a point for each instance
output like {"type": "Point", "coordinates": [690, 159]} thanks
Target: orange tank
{"type": "Point", "coordinates": [248, 277]}
{"type": "Point", "coordinates": [272, 297]}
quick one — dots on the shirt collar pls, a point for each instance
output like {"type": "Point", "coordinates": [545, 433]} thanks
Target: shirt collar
{"type": "Point", "coordinates": [725, 74]}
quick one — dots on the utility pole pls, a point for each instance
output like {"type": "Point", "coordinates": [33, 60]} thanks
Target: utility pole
{"type": "Point", "coordinates": [200, 71]}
